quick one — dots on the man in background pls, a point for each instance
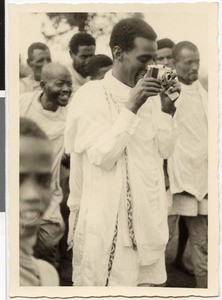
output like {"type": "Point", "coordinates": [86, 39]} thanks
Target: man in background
{"type": "Point", "coordinates": [38, 56]}
{"type": "Point", "coordinates": [188, 166]}
{"type": "Point", "coordinates": [48, 108]}
{"type": "Point", "coordinates": [82, 47]}
{"type": "Point", "coordinates": [164, 52]}
{"type": "Point", "coordinates": [34, 199]}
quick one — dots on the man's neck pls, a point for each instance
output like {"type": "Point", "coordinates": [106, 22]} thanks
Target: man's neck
{"type": "Point", "coordinates": [184, 81]}
{"type": "Point", "coordinates": [46, 104]}
{"type": "Point", "coordinates": [83, 76]}
{"type": "Point", "coordinates": [119, 76]}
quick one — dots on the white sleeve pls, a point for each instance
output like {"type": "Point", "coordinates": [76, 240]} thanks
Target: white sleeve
{"type": "Point", "coordinates": [107, 149]}
{"type": "Point", "coordinates": [166, 135]}
{"type": "Point", "coordinates": [90, 128]}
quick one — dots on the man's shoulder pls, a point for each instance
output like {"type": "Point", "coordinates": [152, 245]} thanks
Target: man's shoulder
{"type": "Point", "coordinates": [89, 89]}
{"type": "Point", "coordinates": [30, 95]}
{"type": "Point", "coordinates": [27, 99]}
{"type": "Point", "coordinates": [89, 97]}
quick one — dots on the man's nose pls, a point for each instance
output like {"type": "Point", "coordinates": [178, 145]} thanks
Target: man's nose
{"type": "Point", "coordinates": [166, 61]}
{"type": "Point", "coordinates": [66, 88]}
{"type": "Point", "coordinates": [195, 66]}
{"type": "Point", "coordinates": [87, 59]}
{"type": "Point", "coordinates": [45, 62]}
{"type": "Point", "coordinates": [30, 191]}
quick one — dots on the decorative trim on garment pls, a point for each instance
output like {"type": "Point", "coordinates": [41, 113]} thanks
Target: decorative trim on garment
{"type": "Point", "coordinates": [112, 252]}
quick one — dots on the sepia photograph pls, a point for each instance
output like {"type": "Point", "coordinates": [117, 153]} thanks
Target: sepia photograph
{"type": "Point", "coordinates": [113, 150]}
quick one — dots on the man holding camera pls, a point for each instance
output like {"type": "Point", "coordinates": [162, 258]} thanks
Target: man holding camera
{"type": "Point", "coordinates": [118, 130]}
{"type": "Point", "coordinates": [188, 166]}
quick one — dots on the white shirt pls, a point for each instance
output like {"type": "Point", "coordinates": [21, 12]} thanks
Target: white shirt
{"type": "Point", "coordinates": [29, 84]}
{"type": "Point", "coordinates": [98, 134]}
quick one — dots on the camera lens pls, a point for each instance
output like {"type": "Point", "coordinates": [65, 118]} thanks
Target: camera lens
{"type": "Point", "coordinates": [168, 77]}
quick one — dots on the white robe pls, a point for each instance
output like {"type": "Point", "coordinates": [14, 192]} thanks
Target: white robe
{"type": "Point", "coordinates": [53, 124]}
{"type": "Point", "coordinates": [98, 135]}
{"type": "Point", "coordinates": [188, 166]}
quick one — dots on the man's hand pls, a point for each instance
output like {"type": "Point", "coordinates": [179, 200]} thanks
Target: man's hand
{"type": "Point", "coordinates": [145, 88]}
{"type": "Point", "coordinates": [168, 106]}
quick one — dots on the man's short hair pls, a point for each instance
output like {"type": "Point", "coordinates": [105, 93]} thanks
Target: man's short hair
{"type": "Point", "coordinates": [165, 43]}
{"type": "Point", "coordinates": [126, 30]}
{"type": "Point", "coordinates": [81, 39]}
{"type": "Point", "coordinates": [28, 128]}
{"type": "Point", "coordinates": [34, 46]}
{"type": "Point", "coordinates": [96, 62]}
{"type": "Point", "coordinates": [180, 46]}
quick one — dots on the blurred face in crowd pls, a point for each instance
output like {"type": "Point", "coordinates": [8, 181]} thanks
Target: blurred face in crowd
{"type": "Point", "coordinates": [134, 62]}
{"type": "Point", "coordinates": [187, 66]}
{"type": "Point", "coordinates": [39, 59]}
{"type": "Point", "coordinates": [164, 57]}
{"type": "Point", "coordinates": [81, 58]}
{"type": "Point", "coordinates": [35, 180]}
{"type": "Point", "coordinates": [57, 85]}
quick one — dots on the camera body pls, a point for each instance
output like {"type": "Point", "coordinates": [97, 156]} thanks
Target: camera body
{"type": "Point", "coordinates": [161, 72]}
{"type": "Point", "coordinates": [165, 75]}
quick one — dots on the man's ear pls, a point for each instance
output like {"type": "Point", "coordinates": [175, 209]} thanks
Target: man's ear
{"type": "Point", "coordinates": [117, 53]}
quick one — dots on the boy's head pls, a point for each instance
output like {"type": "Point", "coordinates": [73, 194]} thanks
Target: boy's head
{"type": "Point", "coordinates": [34, 175]}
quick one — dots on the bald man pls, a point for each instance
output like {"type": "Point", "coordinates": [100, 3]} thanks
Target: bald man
{"type": "Point", "coordinates": [48, 109]}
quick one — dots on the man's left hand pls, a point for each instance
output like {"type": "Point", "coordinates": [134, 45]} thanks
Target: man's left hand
{"type": "Point", "coordinates": [168, 105]}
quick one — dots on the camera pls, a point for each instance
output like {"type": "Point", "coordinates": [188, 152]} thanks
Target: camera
{"type": "Point", "coordinates": [165, 75]}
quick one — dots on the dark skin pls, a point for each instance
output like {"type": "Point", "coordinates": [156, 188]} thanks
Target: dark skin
{"type": "Point", "coordinates": [56, 84]}
{"type": "Point", "coordinates": [130, 67]}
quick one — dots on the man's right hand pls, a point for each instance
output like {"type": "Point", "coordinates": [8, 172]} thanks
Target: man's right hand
{"type": "Point", "coordinates": [145, 88]}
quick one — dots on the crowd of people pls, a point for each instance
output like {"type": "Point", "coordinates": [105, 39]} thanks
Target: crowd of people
{"type": "Point", "coordinates": [110, 162]}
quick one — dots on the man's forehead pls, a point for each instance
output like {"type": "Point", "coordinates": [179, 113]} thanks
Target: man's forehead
{"type": "Point", "coordinates": [84, 49]}
{"type": "Point", "coordinates": [62, 75]}
{"type": "Point", "coordinates": [39, 52]}
{"type": "Point", "coordinates": [188, 54]}
{"type": "Point", "coordinates": [145, 44]}
{"type": "Point", "coordinates": [164, 51]}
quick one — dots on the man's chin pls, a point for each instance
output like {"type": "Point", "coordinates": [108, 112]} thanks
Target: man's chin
{"type": "Point", "coordinates": [193, 77]}
{"type": "Point", "coordinates": [63, 102]}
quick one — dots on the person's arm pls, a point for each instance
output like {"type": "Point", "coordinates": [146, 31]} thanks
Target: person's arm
{"type": "Point", "coordinates": [107, 149]}
{"type": "Point", "coordinates": [89, 121]}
